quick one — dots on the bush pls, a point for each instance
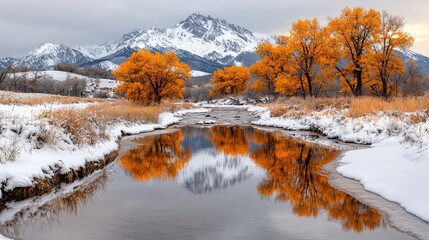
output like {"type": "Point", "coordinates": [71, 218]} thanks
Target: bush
{"type": "Point", "coordinates": [102, 94]}
{"type": "Point", "coordinates": [10, 150]}
{"type": "Point", "coordinates": [197, 93]}
{"type": "Point", "coordinates": [85, 71]}
{"type": "Point", "coordinates": [82, 126]}
{"type": "Point", "coordinates": [70, 87]}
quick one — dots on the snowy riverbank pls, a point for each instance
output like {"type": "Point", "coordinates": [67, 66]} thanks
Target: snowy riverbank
{"type": "Point", "coordinates": [396, 164]}
{"type": "Point", "coordinates": [20, 138]}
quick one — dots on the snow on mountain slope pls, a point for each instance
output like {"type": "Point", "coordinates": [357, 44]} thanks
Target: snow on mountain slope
{"type": "Point", "coordinates": [97, 51]}
{"type": "Point", "coordinates": [48, 55]}
{"type": "Point", "coordinates": [420, 59]}
{"type": "Point", "coordinates": [108, 65]}
{"type": "Point", "coordinates": [202, 35]}
{"type": "Point", "coordinates": [8, 61]}
{"type": "Point", "coordinates": [198, 73]}
{"type": "Point", "coordinates": [199, 34]}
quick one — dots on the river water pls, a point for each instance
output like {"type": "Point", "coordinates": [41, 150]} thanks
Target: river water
{"type": "Point", "coordinates": [223, 182]}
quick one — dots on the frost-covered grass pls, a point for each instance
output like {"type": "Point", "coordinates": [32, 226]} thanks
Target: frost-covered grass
{"type": "Point", "coordinates": [38, 142]}
{"type": "Point", "coordinates": [396, 164]}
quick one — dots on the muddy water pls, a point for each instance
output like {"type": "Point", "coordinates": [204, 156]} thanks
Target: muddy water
{"type": "Point", "coordinates": [223, 182]}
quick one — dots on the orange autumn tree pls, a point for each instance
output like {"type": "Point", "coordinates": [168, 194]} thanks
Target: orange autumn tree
{"type": "Point", "coordinates": [385, 61]}
{"type": "Point", "coordinates": [353, 34]}
{"type": "Point", "coordinates": [309, 59]}
{"type": "Point", "coordinates": [272, 64]}
{"type": "Point", "coordinates": [230, 81]}
{"type": "Point", "coordinates": [159, 157]}
{"type": "Point", "coordinates": [148, 78]}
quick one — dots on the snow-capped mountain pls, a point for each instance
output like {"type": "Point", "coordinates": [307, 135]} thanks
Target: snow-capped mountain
{"type": "Point", "coordinates": [420, 59]}
{"type": "Point", "coordinates": [202, 41]}
{"type": "Point", "coordinates": [202, 35]}
{"type": "Point", "coordinates": [8, 62]}
{"type": "Point", "coordinates": [48, 55]}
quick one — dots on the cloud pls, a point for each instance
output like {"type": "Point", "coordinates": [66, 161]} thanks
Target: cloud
{"type": "Point", "coordinates": [25, 24]}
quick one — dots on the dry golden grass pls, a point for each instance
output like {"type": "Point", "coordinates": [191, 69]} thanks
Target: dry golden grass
{"type": "Point", "coordinates": [122, 110]}
{"type": "Point", "coordinates": [357, 107]}
{"type": "Point", "coordinates": [367, 105]}
{"type": "Point", "coordinates": [13, 98]}
{"type": "Point", "coordinates": [296, 106]}
{"type": "Point", "coordinates": [88, 126]}
{"type": "Point", "coordinates": [81, 125]}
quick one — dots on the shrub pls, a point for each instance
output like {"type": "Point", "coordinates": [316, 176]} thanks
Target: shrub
{"type": "Point", "coordinates": [82, 126]}
{"type": "Point", "coordinates": [10, 151]}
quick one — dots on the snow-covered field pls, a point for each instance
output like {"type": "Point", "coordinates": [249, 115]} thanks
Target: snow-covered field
{"type": "Point", "coordinates": [93, 84]}
{"type": "Point", "coordinates": [20, 134]}
{"type": "Point", "coordinates": [30, 112]}
{"type": "Point", "coordinates": [395, 166]}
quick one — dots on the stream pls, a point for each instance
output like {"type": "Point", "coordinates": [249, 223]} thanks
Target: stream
{"type": "Point", "coordinates": [201, 181]}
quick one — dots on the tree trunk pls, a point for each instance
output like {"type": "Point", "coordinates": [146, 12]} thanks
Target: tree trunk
{"type": "Point", "coordinates": [384, 81]}
{"type": "Point", "coordinates": [310, 86]}
{"type": "Point", "coordinates": [358, 76]}
{"type": "Point", "coordinates": [302, 89]}
{"type": "Point", "coordinates": [158, 98]}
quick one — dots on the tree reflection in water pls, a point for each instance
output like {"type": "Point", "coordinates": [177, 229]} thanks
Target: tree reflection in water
{"type": "Point", "coordinates": [230, 140]}
{"type": "Point", "coordinates": [292, 167]}
{"type": "Point", "coordinates": [159, 157]}
{"type": "Point", "coordinates": [293, 175]}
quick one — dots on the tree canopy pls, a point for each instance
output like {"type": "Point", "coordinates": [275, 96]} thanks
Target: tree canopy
{"type": "Point", "coordinates": [357, 47]}
{"type": "Point", "coordinates": [148, 78]}
{"type": "Point", "coordinates": [230, 81]}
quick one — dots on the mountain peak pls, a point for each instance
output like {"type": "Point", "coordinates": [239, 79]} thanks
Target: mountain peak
{"type": "Point", "coordinates": [198, 15]}
{"type": "Point", "coordinates": [49, 54]}
{"type": "Point", "coordinates": [46, 48]}
{"type": "Point", "coordinates": [205, 20]}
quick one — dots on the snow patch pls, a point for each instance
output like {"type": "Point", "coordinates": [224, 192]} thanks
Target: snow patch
{"type": "Point", "coordinates": [391, 170]}
{"type": "Point", "coordinates": [195, 73]}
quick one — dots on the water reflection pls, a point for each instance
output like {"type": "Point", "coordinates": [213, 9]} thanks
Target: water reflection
{"type": "Point", "coordinates": [208, 171]}
{"type": "Point", "coordinates": [233, 154]}
{"type": "Point", "coordinates": [41, 212]}
{"type": "Point", "coordinates": [231, 140]}
{"type": "Point", "coordinates": [293, 176]}
{"type": "Point", "coordinates": [158, 157]}
{"type": "Point", "coordinates": [281, 170]}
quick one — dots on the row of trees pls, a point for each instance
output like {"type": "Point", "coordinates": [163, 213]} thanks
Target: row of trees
{"type": "Point", "coordinates": [356, 48]}
{"type": "Point", "coordinates": [92, 72]}
{"type": "Point", "coordinates": [38, 83]}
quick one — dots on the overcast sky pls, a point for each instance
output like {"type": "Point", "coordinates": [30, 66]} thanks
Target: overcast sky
{"type": "Point", "coordinates": [25, 24]}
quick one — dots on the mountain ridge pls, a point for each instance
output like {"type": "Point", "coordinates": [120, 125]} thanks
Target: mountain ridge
{"type": "Point", "coordinates": [204, 42]}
